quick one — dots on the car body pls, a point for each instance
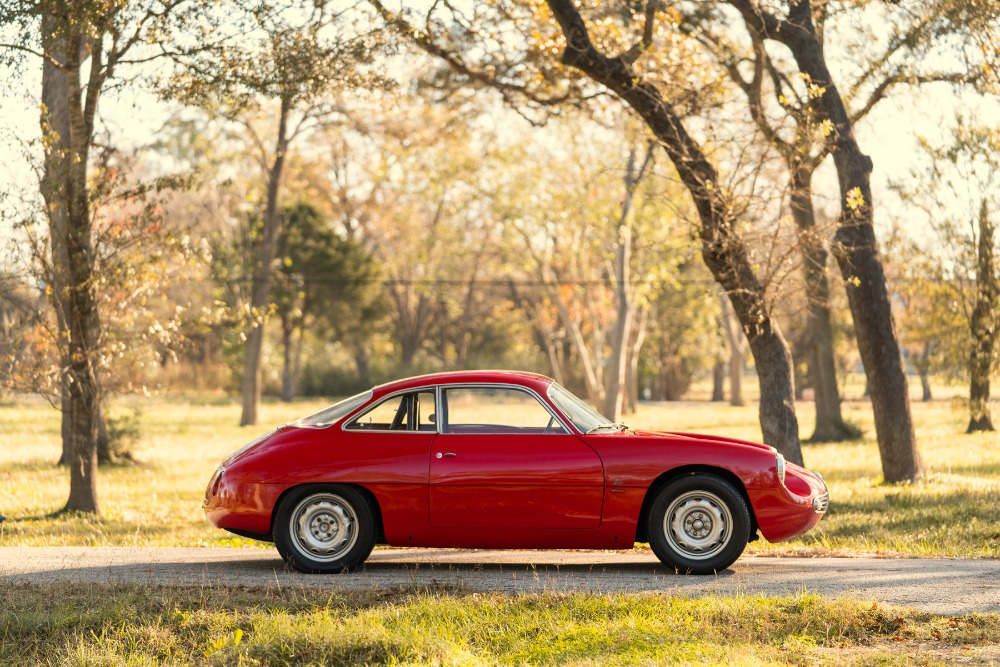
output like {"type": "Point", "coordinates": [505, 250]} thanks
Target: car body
{"type": "Point", "coordinates": [502, 459]}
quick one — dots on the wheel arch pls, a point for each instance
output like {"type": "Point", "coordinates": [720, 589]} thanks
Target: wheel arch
{"type": "Point", "coordinates": [364, 491]}
{"type": "Point", "coordinates": [682, 471]}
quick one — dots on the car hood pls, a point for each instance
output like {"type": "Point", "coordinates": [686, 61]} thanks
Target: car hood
{"type": "Point", "coordinates": [673, 435]}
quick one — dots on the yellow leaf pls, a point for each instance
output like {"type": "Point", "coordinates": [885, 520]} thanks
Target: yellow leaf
{"type": "Point", "coordinates": [855, 199]}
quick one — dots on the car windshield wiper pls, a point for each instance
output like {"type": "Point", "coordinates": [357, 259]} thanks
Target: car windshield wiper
{"type": "Point", "coordinates": [621, 426]}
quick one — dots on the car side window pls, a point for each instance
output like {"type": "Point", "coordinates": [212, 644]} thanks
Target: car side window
{"type": "Point", "coordinates": [406, 412]}
{"type": "Point", "coordinates": [497, 410]}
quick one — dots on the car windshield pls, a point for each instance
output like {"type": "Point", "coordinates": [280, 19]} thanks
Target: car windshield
{"type": "Point", "coordinates": [584, 417]}
{"type": "Point", "coordinates": [333, 413]}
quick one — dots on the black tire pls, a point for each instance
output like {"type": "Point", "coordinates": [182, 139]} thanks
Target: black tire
{"type": "Point", "coordinates": [323, 528]}
{"type": "Point", "coordinates": [698, 524]}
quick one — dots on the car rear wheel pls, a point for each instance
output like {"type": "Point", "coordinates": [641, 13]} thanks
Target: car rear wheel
{"type": "Point", "coordinates": [325, 529]}
{"type": "Point", "coordinates": [698, 524]}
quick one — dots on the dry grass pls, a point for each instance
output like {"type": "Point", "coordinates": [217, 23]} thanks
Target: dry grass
{"type": "Point", "coordinates": [135, 625]}
{"type": "Point", "coordinates": [157, 501]}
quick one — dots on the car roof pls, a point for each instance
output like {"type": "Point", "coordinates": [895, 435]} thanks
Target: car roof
{"type": "Point", "coordinates": [523, 378]}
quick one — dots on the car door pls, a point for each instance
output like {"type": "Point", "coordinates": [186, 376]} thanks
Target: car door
{"type": "Point", "coordinates": [504, 460]}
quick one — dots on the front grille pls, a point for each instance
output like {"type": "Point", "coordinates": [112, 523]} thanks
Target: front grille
{"type": "Point", "coordinates": [821, 503]}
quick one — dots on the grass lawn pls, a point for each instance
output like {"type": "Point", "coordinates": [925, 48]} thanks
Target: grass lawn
{"type": "Point", "coordinates": [157, 501]}
{"type": "Point", "coordinates": [134, 625]}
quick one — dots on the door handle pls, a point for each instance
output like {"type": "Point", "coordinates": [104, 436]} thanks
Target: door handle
{"type": "Point", "coordinates": [440, 455]}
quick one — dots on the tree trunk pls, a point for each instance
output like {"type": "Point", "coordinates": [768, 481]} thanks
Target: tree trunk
{"type": "Point", "coordinates": [625, 305]}
{"type": "Point", "coordinates": [287, 330]}
{"type": "Point", "coordinates": [55, 138]}
{"type": "Point", "coordinates": [66, 430]}
{"type": "Point", "coordinates": [984, 324]}
{"type": "Point", "coordinates": [594, 386]}
{"type": "Point", "coordinates": [261, 290]}
{"type": "Point", "coordinates": [925, 388]}
{"type": "Point", "coordinates": [104, 453]}
{"type": "Point", "coordinates": [830, 425]}
{"type": "Point", "coordinates": [923, 370]}
{"type": "Point", "coordinates": [854, 242]}
{"type": "Point", "coordinates": [83, 326]}
{"type": "Point", "coordinates": [409, 346]}
{"type": "Point", "coordinates": [718, 382]}
{"type": "Point", "coordinates": [737, 355]}
{"type": "Point", "coordinates": [297, 359]}
{"type": "Point", "coordinates": [411, 319]}
{"type": "Point", "coordinates": [362, 361]}
{"type": "Point", "coordinates": [635, 348]}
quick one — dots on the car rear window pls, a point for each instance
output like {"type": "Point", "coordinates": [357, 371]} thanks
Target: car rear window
{"type": "Point", "coordinates": [334, 413]}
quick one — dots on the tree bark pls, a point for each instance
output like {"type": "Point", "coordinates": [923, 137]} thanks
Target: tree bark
{"type": "Point", "coordinates": [830, 425]}
{"type": "Point", "coordinates": [854, 242]}
{"type": "Point", "coordinates": [261, 290]}
{"type": "Point", "coordinates": [984, 324]}
{"type": "Point", "coordinates": [723, 250]}
{"type": "Point", "coordinates": [55, 138]}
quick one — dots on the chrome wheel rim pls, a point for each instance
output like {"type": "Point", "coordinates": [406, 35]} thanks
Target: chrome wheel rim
{"type": "Point", "coordinates": [698, 525]}
{"type": "Point", "coordinates": [324, 527]}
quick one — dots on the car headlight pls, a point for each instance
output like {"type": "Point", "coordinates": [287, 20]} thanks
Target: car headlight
{"type": "Point", "coordinates": [779, 464]}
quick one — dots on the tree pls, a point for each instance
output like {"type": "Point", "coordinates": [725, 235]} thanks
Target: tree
{"type": "Point", "coordinates": [625, 297]}
{"type": "Point", "coordinates": [723, 248]}
{"type": "Point", "coordinates": [960, 280]}
{"type": "Point", "coordinates": [298, 58]}
{"type": "Point", "coordinates": [855, 246]}
{"type": "Point", "coordinates": [984, 323]}
{"type": "Point", "coordinates": [324, 280]}
{"type": "Point", "coordinates": [596, 250]}
{"type": "Point", "coordinates": [82, 46]}
{"type": "Point", "coordinates": [801, 138]}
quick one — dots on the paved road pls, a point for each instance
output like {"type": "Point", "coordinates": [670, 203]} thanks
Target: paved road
{"type": "Point", "coordinates": [942, 586]}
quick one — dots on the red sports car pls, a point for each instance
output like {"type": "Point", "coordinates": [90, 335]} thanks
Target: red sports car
{"type": "Point", "coordinates": [499, 460]}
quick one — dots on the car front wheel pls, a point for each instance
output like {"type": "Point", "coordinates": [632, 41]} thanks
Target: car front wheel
{"type": "Point", "coordinates": [324, 529]}
{"type": "Point", "coordinates": [698, 524]}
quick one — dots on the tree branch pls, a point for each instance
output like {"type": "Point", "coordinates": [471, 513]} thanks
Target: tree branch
{"type": "Point", "coordinates": [646, 41]}
{"type": "Point", "coordinates": [456, 63]}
